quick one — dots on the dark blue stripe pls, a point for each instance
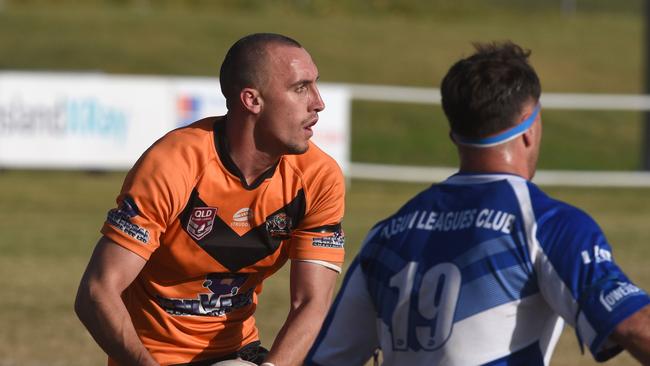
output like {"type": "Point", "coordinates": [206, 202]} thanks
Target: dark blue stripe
{"type": "Point", "coordinates": [487, 292]}
{"type": "Point", "coordinates": [489, 265]}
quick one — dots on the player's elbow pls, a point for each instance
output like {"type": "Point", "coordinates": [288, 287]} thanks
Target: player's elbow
{"type": "Point", "coordinates": [319, 302]}
{"type": "Point", "coordinates": [82, 300]}
{"type": "Point", "coordinates": [88, 295]}
{"type": "Point", "coordinates": [315, 308]}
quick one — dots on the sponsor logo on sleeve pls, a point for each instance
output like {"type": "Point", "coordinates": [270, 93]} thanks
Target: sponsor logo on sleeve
{"type": "Point", "coordinates": [599, 255]}
{"type": "Point", "coordinates": [612, 297]}
{"type": "Point", "coordinates": [121, 219]}
{"type": "Point", "coordinates": [201, 222]}
{"type": "Point", "coordinates": [336, 240]}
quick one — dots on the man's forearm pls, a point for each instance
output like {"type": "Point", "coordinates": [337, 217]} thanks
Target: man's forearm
{"type": "Point", "coordinates": [297, 334]}
{"type": "Point", "coordinates": [108, 321]}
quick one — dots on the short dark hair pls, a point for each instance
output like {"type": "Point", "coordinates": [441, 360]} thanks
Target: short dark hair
{"type": "Point", "coordinates": [485, 92]}
{"type": "Point", "coordinates": [241, 67]}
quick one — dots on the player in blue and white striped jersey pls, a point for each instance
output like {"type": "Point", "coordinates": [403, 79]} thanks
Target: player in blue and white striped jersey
{"type": "Point", "coordinates": [485, 268]}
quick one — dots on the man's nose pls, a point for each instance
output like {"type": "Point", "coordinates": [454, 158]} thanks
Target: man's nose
{"type": "Point", "coordinates": [317, 102]}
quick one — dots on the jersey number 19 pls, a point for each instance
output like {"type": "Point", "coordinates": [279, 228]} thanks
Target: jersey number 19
{"type": "Point", "coordinates": [436, 295]}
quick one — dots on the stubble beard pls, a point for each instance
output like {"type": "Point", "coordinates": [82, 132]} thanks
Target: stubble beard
{"type": "Point", "coordinates": [296, 149]}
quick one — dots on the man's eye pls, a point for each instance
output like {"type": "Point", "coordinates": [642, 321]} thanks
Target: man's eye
{"type": "Point", "coordinates": [301, 88]}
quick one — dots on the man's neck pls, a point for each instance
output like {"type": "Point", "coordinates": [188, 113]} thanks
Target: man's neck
{"type": "Point", "coordinates": [493, 161]}
{"type": "Point", "coordinates": [243, 151]}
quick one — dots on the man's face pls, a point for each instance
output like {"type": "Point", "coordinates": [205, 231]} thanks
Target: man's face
{"type": "Point", "coordinates": [291, 101]}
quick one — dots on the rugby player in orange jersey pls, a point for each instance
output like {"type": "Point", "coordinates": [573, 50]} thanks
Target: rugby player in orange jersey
{"type": "Point", "coordinates": [212, 209]}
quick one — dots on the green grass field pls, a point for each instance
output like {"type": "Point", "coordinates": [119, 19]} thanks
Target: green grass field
{"type": "Point", "coordinates": [49, 221]}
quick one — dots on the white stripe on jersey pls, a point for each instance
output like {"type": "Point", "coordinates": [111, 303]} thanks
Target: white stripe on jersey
{"type": "Point", "coordinates": [356, 315]}
{"type": "Point", "coordinates": [551, 285]}
{"type": "Point", "coordinates": [487, 335]}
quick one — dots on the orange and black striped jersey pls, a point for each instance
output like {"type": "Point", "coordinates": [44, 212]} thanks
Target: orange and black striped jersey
{"type": "Point", "coordinates": [210, 239]}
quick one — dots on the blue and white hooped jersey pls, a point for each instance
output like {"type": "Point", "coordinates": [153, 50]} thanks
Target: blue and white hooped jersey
{"type": "Point", "coordinates": [482, 269]}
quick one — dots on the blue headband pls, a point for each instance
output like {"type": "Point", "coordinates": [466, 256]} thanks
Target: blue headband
{"type": "Point", "coordinates": [504, 136]}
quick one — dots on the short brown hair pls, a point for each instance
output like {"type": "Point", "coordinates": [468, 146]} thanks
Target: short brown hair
{"type": "Point", "coordinates": [242, 65]}
{"type": "Point", "coordinates": [485, 92]}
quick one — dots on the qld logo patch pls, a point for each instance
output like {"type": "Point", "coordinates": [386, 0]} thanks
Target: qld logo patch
{"type": "Point", "coordinates": [201, 222]}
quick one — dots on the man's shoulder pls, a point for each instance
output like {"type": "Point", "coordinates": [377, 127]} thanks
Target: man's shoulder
{"type": "Point", "coordinates": [194, 133]}
{"type": "Point", "coordinates": [546, 205]}
{"type": "Point", "coordinates": [313, 163]}
{"type": "Point", "coordinates": [185, 147]}
{"type": "Point", "coordinates": [197, 134]}
{"type": "Point", "coordinates": [552, 211]}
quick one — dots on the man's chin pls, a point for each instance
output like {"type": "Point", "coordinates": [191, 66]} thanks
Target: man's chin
{"type": "Point", "coordinates": [297, 149]}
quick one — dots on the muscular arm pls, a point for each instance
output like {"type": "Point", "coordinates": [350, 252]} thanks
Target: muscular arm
{"type": "Point", "coordinates": [100, 308]}
{"type": "Point", "coordinates": [633, 334]}
{"type": "Point", "coordinates": [312, 286]}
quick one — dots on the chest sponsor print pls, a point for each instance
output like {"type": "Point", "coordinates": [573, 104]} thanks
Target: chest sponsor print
{"type": "Point", "coordinates": [242, 217]}
{"type": "Point", "coordinates": [225, 296]}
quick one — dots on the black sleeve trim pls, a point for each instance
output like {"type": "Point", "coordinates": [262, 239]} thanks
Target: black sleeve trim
{"type": "Point", "coordinates": [325, 229]}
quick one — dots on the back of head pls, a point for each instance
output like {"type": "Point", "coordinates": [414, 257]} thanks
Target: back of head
{"type": "Point", "coordinates": [484, 93]}
{"type": "Point", "coordinates": [243, 65]}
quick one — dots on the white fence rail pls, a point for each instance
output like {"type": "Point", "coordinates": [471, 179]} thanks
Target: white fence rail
{"type": "Point", "coordinates": [418, 174]}
{"type": "Point", "coordinates": [44, 122]}
{"type": "Point", "coordinates": [384, 93]}
{"type": "Point", "coordinates": [399, 94]}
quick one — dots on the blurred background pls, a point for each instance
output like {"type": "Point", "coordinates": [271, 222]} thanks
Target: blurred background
{"type": "Point", "coordinates": [50, 216]}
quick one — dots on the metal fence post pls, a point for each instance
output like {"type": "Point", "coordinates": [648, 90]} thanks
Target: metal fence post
{"type": "Point", "coordinates": [645, 147]}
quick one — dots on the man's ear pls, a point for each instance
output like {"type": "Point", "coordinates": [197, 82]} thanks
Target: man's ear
{"type": "Point", "coordinates": [251, 100]}
{"type": "Point", "coordinates": [528, 137]}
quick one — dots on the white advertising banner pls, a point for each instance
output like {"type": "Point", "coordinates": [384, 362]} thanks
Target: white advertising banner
{"type": "Point", "coordinates": [79, 121]}
{"type": "Point", "coordinates": [98, 121]}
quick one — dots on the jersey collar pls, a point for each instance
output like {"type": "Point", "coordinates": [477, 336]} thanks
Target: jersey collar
{"type": "Point", "coordinates": [478, 178]}
{"type": "Point", "coordinates": [223, 146]}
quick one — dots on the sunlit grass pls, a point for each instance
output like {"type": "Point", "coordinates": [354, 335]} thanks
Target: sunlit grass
{"type": "Point", "coordinates": [50, 220]}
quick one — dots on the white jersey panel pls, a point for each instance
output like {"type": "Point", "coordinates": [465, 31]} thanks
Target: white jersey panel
{"type": "Point", "coordinates": [352, 334]}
